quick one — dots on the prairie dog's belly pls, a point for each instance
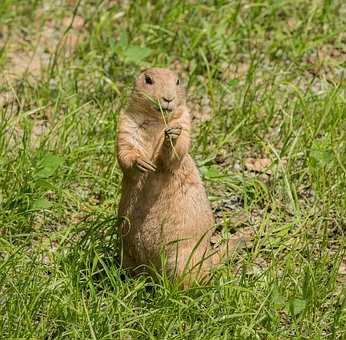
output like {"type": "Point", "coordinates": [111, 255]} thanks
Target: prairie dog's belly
{"type": "Point", "coordinates": [165, 200]}
{"type": "Point", "coordinates": [168, 208]}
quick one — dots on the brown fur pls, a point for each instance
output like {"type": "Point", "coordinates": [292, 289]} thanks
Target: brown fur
{"type": "Point", "coordinates": [165, 210]}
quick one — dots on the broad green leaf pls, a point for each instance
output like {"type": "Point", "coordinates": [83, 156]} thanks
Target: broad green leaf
{"type": "Point", "coordinates": [41, 203]}
{"type": "Point", "coordinates": [211, 172]}
{"type": "Point", "coordinates": [136, 54]}
{"type": "Point", "coordinates": [322, 156]}
{"type": "Point", "coordinates": [48, 165]}
{"type": "Point", "coordinates": [296, 306]}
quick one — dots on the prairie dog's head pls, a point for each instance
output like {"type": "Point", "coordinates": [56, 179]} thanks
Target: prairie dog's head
{"type": "Point", "coordinates": [158, 89]}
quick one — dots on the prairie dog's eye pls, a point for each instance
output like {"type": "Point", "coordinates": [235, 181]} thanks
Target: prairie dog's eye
{"type": "Point", "coordinates": [148, 79]}
{"type": "Point", "coordinates": [178, 81]}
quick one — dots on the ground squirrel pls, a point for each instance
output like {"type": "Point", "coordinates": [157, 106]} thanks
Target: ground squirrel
{"type": "Point", "coordinates": [164, 207]}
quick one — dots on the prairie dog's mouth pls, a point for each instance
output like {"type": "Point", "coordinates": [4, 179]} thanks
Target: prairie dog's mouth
{"type": "Point", "coordinates": [164, 109]}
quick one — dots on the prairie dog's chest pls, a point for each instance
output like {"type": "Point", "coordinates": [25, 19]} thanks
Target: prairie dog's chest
{"type": "Point", "coordinates": [150, 131]}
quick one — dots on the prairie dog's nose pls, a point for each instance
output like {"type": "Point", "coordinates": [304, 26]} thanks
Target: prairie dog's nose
{"type": "Point", "coordinates": [168, 100]}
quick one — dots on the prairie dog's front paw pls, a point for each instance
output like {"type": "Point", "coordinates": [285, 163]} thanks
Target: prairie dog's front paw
{"type": "Point", "coordinates": [144, 165]}
{"type": "Point", "coordinates": [173, 132]}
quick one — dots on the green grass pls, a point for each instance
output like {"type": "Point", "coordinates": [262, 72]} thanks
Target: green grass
{"type": "Point", "coordinates": [273, 72]}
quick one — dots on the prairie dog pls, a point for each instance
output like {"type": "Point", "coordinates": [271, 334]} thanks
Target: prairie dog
{"type": "Point", "coordinates": [164, 207]}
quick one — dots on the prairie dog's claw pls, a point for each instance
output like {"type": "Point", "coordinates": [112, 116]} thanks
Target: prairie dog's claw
{"type": "Point", "coordinates": [145, 166]}
{"type": "Point", "coordinates": [173, 131]}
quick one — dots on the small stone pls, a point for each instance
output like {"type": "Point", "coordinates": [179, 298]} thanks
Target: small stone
{"type": "Point", "coordinates": [220, 157]}
{"type": "Point", "coordinates": [237, 166]}
{"type": "Point", "coordinates": [258, 165]}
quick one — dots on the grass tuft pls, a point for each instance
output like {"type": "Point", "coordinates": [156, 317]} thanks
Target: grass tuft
{"type": "Point", "coordinates": [267, 93]}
